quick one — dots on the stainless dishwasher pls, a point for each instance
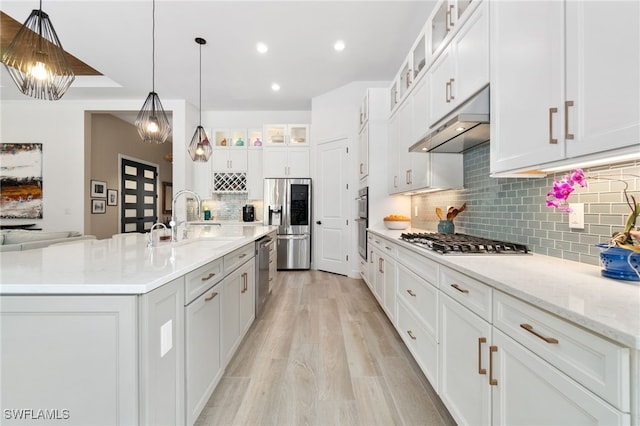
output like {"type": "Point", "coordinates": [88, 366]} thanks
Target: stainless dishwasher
{"type": "Point", "coordinates": [264, 247]}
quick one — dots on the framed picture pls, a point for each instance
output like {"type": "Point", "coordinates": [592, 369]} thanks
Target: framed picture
{"type": "Point", "coordinates": [98, 189]}
{"type": "Point", "coordinates": [112, 197]}
{"type": "Point", "coordinates": [167, 197]}
{"type": "Point", "coordinates": [98, 206]}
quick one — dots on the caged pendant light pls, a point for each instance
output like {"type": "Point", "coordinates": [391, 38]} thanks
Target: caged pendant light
{"type": "Point", "coordinates": [36, 60]}
{"type": "Point", "coordinates": [200, 147]}
{"type": "Point", "coordinates": [152, 122]}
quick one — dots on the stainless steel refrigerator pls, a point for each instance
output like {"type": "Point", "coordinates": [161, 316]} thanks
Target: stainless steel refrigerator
{"type": "Point", "coordinates": [287, 205]}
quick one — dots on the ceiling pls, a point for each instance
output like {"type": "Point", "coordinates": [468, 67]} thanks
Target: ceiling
{"type": "Point", "coordinates": [115, 38]}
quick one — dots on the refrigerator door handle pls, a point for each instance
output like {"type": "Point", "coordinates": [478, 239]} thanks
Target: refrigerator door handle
{"type": "Point", "coordinates": [293, 237]}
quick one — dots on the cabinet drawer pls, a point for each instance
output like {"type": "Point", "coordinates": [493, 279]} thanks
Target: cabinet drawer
{"type": "Point", "coordinates": [593, 361]}
{"type": "Point", "coordinates": [422, 343]}
{"type": "Point", "coordinates": [198, 280]}
{"type": "Point", "coordinates": [385, 246]}
{"type": "Point", "coordinates": [238, 257]}
{"type": "Point", "coordinates": [425, 268]}
{"type": "Point", "coordinates": [421, 296]}
{"type": "Point", "coordinates": [471, 293]}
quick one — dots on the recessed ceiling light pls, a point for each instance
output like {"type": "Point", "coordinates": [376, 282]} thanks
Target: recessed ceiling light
{"type": "Point", "coordinates": [339, 45]}
{"type": "Point", "coordinates": [262, 47]}
{"type": "Point", "coordinates": [275, 87]}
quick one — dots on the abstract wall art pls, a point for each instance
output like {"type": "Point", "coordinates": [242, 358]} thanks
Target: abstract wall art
{"type": "Point", "coordinates": [20, 181]}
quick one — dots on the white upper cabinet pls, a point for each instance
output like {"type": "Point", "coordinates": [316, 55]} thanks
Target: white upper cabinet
{"type": "Point", "coordinates": [602, 100]}
{"type": "Point", "coordinates": [462, 69]}
{"type": "Point", "coordinates": [229, 160]}
{"type": "Point", "coordinates": [286, 134]}
{"type": "Point", "coordinates": [446, 18]}
{"type": "Point", "coordinates": [286, 162]}
{"type": "Point", "coordinates": [228, 137]}
{"type": "Point", "coordinates": [574, 93]}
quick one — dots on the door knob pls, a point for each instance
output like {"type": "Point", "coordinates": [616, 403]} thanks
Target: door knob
{"type": "Point", "coordinates": [318, 222]}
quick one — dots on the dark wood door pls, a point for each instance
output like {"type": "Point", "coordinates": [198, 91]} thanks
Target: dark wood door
{"type": "Point", "coordinates": [139, 199]}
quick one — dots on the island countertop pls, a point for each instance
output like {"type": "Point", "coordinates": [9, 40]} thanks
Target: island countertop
{"type": "Point", "coordinates": [571, 290]}
{"type": "Point", "coordinates": [119, 265]}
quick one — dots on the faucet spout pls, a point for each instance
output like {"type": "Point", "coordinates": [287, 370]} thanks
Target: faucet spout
{"type": "Point", "coordinates": [174, 223]}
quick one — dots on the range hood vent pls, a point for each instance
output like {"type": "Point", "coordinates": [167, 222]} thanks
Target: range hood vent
{"type": "Point", "coordinates": [467, 127]}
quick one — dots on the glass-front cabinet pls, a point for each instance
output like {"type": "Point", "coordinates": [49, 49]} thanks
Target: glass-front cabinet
{"type": "Point", "coordinates": [286, 134]}
{"type": "Point", "coordinates": [228, 137]}
{"type": "Point", "coordinates": [254, 137]}
{"type": "Point", "coordinates": [446, 18]}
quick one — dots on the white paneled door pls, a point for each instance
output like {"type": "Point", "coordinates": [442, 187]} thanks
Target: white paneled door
{"type": "Point", "coordinates": [331, 228]}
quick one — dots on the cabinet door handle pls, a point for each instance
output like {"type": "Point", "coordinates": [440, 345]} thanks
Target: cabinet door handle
{"type": "Point", "coordinates": [481, 370]}
{"type": "Point", "coordinates": [243, 255]}
{"type": "Point", "coordinates": [447, 20]}
{"type": "Point", "coordinates": [371, 255]}
{"type": "Point", "coordinates": [492, 381]}
{"type": "Point", "coordinates": [450, 16]}
{"type": "Point", "coordinates": [208, 277]}
{"type": "Point", "coordinates": [361, 172]}
{"type": "Point", "coordinates": [411, 293]}
{"type": "Point", "coordinates": [451, 81]}
{"type": "Point", "coordinates": [380, 265]}
{"type": "Point", "coordinates": [395, 181]}
{"type": "Point", "coordinates": [530, 329]}
{"type": "Point", "coordinates": [244, 283]}
{"type": "Point", "coordinates": [551, 139]}
{"type": "Point", "coordinates": [460, 289]}
{"type": "Point", "coordinates": [567, 135]}
{"type": "Point", "coordinates": [213, 295]}
{"type": "Point", "coordinates": [410, 333]}
{"type": "Point", "coordinates": [447, 91]}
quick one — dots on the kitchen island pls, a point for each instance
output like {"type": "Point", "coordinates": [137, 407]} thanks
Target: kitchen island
{"type": "Point", "coordinates": [116, 332]}
{"type": "Point", "coordinates": [491, 330]}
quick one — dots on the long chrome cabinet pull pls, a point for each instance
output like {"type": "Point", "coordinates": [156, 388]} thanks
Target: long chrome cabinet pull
{"type": "Point", "coordinates": [530, 329]}
{"type": "Point", "coordinates": [244, 283]}
{"type": "Point", "coordinates": [551, 112]}
{"type": "Point", "coordinates": [447, 91]}
{"type": "Point", "coordinates": [567, 135]}
{"type": "Point", "coordinates": [410, 333]}
{"type": "Point", "coordinates": [208, 277]}
{"type": "Point", "coordinates": [481, 370]}
{"type": "Point", "coordinates": [451, 7]}
{"type": "Point", "coordinates": [411, 293]}
{"type": "Point", "coordinates": [213, 295]}
{"type": "Point", "coordinates": [451, 81]}
{"type": "Point", "coordinates": [492, 381]}
{"type": "Point", "coordinates": [447, 20]}
{"type": "Point", "coordinates": [460, 289]}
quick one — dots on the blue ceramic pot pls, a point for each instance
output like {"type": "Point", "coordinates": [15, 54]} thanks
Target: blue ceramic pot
{"type": "Point", "coordinates": [619, 263]}
{"type": "Point", "coordinates": [446, 227]}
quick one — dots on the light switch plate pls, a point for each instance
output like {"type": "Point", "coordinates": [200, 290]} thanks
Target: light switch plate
{"type": "Point", "coordinates": [576, 216]}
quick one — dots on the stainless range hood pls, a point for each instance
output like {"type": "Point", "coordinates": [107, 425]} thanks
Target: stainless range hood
{"type": "Point", "coordinates": [467, 127]}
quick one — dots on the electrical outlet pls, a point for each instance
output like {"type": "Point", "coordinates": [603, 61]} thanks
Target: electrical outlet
{"type": "Point", "coordinates": [576, 216]}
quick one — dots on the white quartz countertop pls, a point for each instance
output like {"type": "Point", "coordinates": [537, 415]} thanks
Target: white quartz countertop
{"type": "Point", "coordinates": [119, 265]}
{"type": "Point", "coordinates": [574, 291]}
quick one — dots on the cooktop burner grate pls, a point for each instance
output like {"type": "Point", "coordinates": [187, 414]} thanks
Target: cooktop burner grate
{"type": "Point", "coordinates": [463, 244]}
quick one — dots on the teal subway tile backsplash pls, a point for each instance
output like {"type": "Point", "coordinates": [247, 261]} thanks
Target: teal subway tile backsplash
{"type": "Point", "coordinates": [514, 209]}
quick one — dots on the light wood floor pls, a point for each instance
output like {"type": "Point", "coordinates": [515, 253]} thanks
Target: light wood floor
{"type": "Point", "coordinates": [323, 353]}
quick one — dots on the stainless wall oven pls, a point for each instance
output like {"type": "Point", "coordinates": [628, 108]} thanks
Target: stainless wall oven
{"type": "Point", "coordinates": [363, 221]}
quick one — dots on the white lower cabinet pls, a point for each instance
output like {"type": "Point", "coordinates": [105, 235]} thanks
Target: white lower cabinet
{"type": "Point", "coordinates": [494, 359]}
{"type": "Point", "coordinates": [202, 364]}
{"type": "Point", "coordinates": [529, 391]}
{"type": "Point", "coordinates": [238, 307]}
{"type": "Point", "coordinates": [464, 364]}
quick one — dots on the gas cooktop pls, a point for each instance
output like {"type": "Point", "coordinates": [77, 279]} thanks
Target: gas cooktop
{"type": "Point", "coordinates": [462, 244]}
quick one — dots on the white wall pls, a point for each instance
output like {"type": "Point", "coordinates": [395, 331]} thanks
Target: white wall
{"type": "Point", "coordinates": [247, 119]}
{"type": "Point", "coordinates": [335, 115]}
{"type": "Point", "coordinates": [60, 127]}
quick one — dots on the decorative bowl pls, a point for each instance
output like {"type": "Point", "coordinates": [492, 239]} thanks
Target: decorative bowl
{"type": "Point", "coordinates": [397, 224]}
{"type": "Point", "coordinates": [619, 263]}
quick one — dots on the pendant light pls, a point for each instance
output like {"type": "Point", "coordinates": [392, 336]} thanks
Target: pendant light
{"type": "Point", "coordinates": [36, 60]}
{"type": "Point", "coordinates": [200, 147]}
{"type": "Point", "coordinates": [152, 122]}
